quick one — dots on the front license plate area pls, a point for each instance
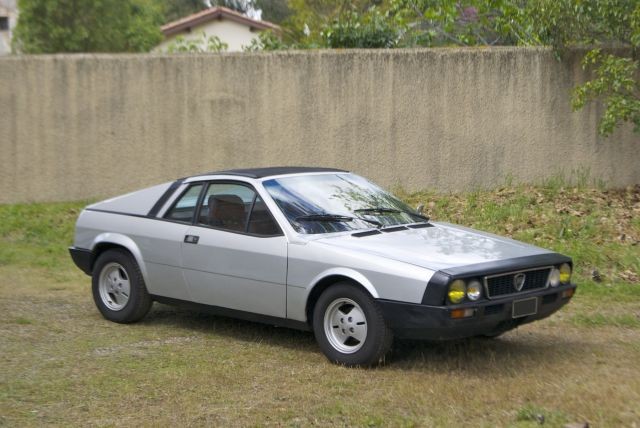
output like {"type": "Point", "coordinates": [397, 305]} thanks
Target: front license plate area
{"type": "Point", "coordinates": [525, 307]}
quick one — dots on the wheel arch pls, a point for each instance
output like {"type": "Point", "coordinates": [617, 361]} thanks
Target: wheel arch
{"type": "Point", "coordinates": [325, 280]}
{"type": "Point", "coordinates": [107, 241]}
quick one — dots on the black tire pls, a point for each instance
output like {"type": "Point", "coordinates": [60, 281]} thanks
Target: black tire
{"type": "Point", "coordinates": [375, 346]}
{"type": "Point", "coordinates": [138, 300]}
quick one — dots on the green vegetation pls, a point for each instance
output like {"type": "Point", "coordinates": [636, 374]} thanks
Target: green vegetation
{"type": "Point", "coordinates": [62, 364]}
{"type": "Point", "coordinates": [630, 320]}
{"type": "Point", "coordinates": [37, 235]}
{"type": "Point", "coordinates": [176, 9]}
{"type": "Point", "coordinates": [531, 415]}
{"type": "Point", "coordinates": [203, 44]}
{"type": "Point", "coordinates": [51, 26]}
{"type": "Point", "coordinates": [274, 11]}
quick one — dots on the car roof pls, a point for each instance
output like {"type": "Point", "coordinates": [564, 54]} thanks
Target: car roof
{"type": "Point", "coordinates": [270, 171]}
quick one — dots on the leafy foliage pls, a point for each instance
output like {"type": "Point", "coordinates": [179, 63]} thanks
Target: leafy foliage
{"type": "Point", "coordinates": [273, 10]}
{"type": "Point", "coordinates": [616, 82]}
{"type": "Point", "coordinates": [444, 22]}
{"type": "Point", "coordinates": [176, 9]}
{"type": "Point", "coordinates": [266, 41]}
{"type": "Point", "coordinates": [49, 26]}
{"type": "Point", "coordinates": [372, 29]}
{"type": "Point", "coordinates": [200, 45]}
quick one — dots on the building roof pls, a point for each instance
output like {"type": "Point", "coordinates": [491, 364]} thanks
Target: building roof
{"type": "Point", "coordinates": [271, 171]}
{"type": "Point", "coordinates": [212, 13]}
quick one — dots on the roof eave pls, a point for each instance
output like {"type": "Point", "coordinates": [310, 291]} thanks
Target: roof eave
{"type": "Point", "coordinates": [219, 13]}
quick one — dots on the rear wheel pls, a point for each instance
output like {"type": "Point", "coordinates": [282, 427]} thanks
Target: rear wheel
{"type": "Point", "coordinates": [118, 287]}
{"type": "Point", "coordinates": [349, 326]}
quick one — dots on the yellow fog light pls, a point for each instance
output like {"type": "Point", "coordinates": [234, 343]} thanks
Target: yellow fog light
{"type": "Point", "coordinates": [565, 273]}
{"type": "Point", "coordinates": [457, 290]}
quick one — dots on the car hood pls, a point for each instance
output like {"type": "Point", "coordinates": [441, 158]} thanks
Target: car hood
{"type": "Point", "coordinates": [439, 247]}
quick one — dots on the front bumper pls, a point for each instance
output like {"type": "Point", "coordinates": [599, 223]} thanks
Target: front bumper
{"type": "Point", "coordinates": [82, 258]}
{"type": "Point", "coordinates": [490, 317]}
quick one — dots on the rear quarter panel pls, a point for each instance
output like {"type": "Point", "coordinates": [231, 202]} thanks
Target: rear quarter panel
{"type": "Point", "coordinates": [154, 243]}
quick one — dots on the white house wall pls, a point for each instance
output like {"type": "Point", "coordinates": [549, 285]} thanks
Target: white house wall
{"type": "Point", "coordinates": [7, 9]}
{"type": "Point", "coordinates": [232, 33]}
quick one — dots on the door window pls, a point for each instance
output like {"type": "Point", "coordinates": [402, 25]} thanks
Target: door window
{"type": "Point", "coordinates": [238, 208]}
{"type": "Point", "coordinates": [184, 208]}
{"type": "Point", "coordinates": [261, 222]}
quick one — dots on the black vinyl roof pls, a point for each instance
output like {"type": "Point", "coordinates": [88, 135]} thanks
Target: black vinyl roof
{"type": "Point", "coordinates": [274, 170]}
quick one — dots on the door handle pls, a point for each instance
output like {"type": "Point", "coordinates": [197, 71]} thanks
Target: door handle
{"type": "Point", "coordinates": [191, 239]}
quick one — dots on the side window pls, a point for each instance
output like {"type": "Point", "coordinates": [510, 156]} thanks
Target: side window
{"type": "Point", "coordinates": [226, 206]}
{"type": "Point", "coordinates": [261, 222]}
{"type": "Point", "coordinates": [238, 208]}
{"type": "Point", "coordinates": [184, 208]}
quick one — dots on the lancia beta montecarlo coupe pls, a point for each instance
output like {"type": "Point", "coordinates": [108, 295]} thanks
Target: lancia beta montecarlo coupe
{"type": "Point", "coordinates": [315, 249]}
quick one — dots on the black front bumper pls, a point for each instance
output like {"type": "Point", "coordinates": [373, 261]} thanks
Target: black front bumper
{"type": "Point", "coordinates": [491, 317]}
{"type": "Point", "coordinates": [82, 258]}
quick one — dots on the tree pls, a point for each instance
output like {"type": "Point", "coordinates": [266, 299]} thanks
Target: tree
{"type": "Point", "coordinates": [176, 9]}
{"type": "Point", "coordinates": [372, 29]}
{"type": "Point", "coordinates": [274, 10]}
{"type": "Point", "coordinates": [50, 26]}
{"type": "Point", "coordinates": [599, 24]}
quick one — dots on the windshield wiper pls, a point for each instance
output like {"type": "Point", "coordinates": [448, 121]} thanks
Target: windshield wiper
{"type": "Point", "coordinates": [324, 217]}
{"type": "Point", "coordinates": [383, 210]}
{"type": "Point", "coordinates": [377, 210]}
{"type": "Point", "coordinates": [334, 217]}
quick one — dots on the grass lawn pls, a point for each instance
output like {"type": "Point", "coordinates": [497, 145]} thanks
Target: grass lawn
{"type": "Point", "coordinates": [61, 363]}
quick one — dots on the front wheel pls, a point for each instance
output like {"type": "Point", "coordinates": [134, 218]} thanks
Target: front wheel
{"type": "Point", "coordinates": [118, 287]}
{"type": "Point", "coordinates": [349, 326]}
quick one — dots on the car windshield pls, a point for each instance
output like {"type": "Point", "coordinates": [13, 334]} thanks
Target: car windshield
{"type": "Point", "coordinates": [325, 203]}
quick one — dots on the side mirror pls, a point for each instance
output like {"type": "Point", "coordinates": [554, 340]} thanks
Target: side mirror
{"type": "Point", "coordinates": [420, 209]}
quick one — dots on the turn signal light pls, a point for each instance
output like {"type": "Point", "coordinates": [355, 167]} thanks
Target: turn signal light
{"type": "Point", "coordinates": [568, 293]}
{"type": "Point", "coordinates": [462, 313]}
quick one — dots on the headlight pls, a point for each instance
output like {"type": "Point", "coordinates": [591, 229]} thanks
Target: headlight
{"type": "Point", "coordinates": [554, 277]}
{"type": "Point", "coordinates": [474, 290]}
{"type": "Point", "coordinates": [457, 290]}
{"type": "Point", "coordinates": [565, 273]}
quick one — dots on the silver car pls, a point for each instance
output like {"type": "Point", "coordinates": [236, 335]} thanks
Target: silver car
{"type": "Point", "coordinates": [314, 249]}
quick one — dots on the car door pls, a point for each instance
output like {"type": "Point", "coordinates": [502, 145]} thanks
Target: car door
{"type": "Point", "coordinates": [235, 255]}
{"type": "Point", "coordinates": [160, 241]}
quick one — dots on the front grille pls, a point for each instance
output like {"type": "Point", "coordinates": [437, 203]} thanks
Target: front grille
{"type": "Point", "coordinates": [503, 284]}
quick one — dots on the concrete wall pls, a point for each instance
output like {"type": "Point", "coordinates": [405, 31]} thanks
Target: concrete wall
{"type": "Point", "coordinates": [75, 127]}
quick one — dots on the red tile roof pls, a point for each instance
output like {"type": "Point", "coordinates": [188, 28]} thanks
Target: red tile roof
{"type": "Point", "coordinates": [212, 13]}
